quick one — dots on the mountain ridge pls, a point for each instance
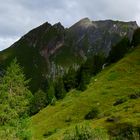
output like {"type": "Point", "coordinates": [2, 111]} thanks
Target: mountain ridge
{"type": "Point", "coordinates": [49, 50]}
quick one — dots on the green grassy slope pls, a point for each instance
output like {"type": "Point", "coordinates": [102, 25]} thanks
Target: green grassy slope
{"type": "Point", "coordinates": [115, 82]}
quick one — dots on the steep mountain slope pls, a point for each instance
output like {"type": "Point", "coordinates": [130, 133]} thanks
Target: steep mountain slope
{"type": "Point", "coordinates": [118, 82]}
{"type": "Point", "coordinates": [49, 50]}
{"type": "Point", "coordinates": [32, 52]}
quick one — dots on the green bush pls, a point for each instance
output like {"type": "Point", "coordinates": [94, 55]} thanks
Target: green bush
{"type": "Point", "coordinates": [23, 132]}
{"type": "Point", "coordinates": [92, 113]}
{"type": "Point", "coordinates": [85, 132]}
{"type": "Point", "coordinates": [119, 101]}
{"type": "Point", "coordinates": [39, 102]}
{"type": "Point", "coordinates": [124, 131]}
{"type": "Point", "coordinates": [53, 101]}
{"type": "Point", "coordinates": [135, 95]}
{"type": "Point", "coordinates": [49, 133]}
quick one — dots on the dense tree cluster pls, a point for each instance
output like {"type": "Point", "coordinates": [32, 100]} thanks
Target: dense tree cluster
{"type": "Point", "coordinates": [80, 78]}
{"type": "Point", "coordinates": [136, 38]}
{"type": "Point", "coordinates": [119, 50]}
{"type": "Point", "coordinates": [73, 79]}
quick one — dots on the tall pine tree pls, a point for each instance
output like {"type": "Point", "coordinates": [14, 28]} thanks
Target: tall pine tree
{"type": "Point", "coordinates": [14, 97]}
{"type": "Point", "coordinates": [60, 91]}
{"type": "Point", "coordinates": [70, 81]}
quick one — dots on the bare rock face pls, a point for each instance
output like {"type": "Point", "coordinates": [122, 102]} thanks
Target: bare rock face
{"type": "Point", "coordinates": [100, 35]}
{"type": "Point", "coordinates": [49, 50]}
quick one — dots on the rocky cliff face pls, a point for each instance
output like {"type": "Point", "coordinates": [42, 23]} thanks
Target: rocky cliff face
{"type": "Point", "coordinates": [49, 50]}
{"type": "Point", "coordinates": [100, 35]}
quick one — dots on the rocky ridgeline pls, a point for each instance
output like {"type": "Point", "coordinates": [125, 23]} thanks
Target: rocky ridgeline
{"type": "Point", "coordinates": [49, 50]}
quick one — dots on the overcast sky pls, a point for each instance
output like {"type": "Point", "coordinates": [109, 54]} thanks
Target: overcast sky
{"type": "Point", "coordinates": [17, 17]}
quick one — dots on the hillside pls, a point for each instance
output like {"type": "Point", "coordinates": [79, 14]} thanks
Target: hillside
{"type": "Point", "coordinates": [115, 92]}
{"type": "Point", "coordinates": [49, 50]}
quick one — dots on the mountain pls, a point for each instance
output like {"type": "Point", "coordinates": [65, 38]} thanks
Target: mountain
{"type": "Point", "coordinates": [49, 50]}
{"type": "Point", "coordinates": [114, 92]}
{"type": "Point", "coordinates": [100, 35]}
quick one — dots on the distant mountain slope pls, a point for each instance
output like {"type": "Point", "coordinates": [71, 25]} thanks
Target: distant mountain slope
{"type": "Point", "coordinates": [49, 50]}
{"type": "Point", "coordinates": [115, 92]}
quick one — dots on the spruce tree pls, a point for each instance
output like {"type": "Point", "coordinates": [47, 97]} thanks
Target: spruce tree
{"type": "Point", "coordinates": [50, 93]}
{"type": "Point", "coordinates": [97, 63]}
{"type": "Point", "coordinates": [119, 50]}
{"type": "Point", "coordinates": [14, 99]}
{"type": "Point", "coordinates": [83, 76]}
{"type": "Point", "coordinates": [136, 38]}
{"type": "Point", "coordinates": [39, 101]}
{"type": "Point", "coordinates": [60, 91]}
{"type": "Point", "coordinates": [69, 79]}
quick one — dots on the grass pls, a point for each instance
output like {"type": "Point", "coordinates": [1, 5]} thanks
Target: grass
{"type": "Point", "coordinates": [117, 81]}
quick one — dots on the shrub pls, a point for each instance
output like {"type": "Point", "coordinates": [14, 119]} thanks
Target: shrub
{"type": "Point", "coordinates": [112, 119]}
{"type": "Point", "coordinates": [120, 101]}
{"type": "Point", "coordinates": [85, 132]}
{"type": "Point", "coordinates": [53, 101]}
{"type": "Point", "coordinates": [124, 131]}
{"type": "Point", "coordinates": [92, 114]}
{"type": "Point", "coordinates": [39, 102]}
{"type": "Point", "coordinates": [49, 133]}
{"type": "Point", "coordinates": [134, 95]}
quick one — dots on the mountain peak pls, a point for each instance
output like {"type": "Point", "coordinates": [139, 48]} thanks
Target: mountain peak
{"type": "Point", "coordinates": [58, 25]}
{"type": "Point", "coordinates": [86, 19]}
{"type": "Point", "coordinates": [83, 23]}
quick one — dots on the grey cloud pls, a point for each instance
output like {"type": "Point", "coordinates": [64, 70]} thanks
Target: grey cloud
{"type": "Point", "coordinates": [20, 16]}
{"type": "Point", "coordinates": [7, 41]}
